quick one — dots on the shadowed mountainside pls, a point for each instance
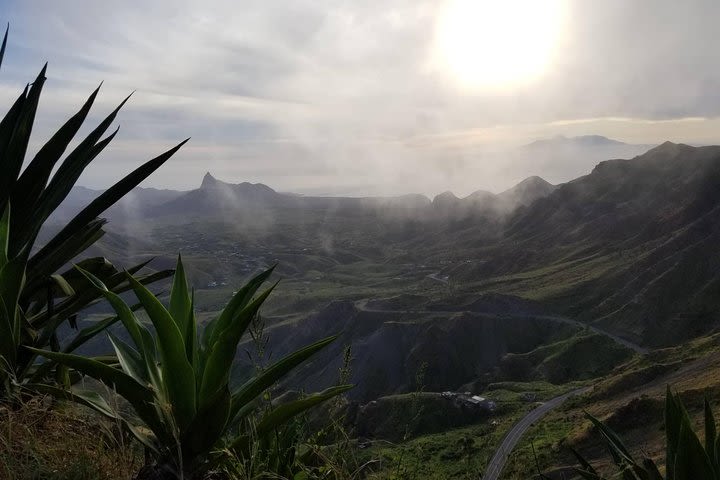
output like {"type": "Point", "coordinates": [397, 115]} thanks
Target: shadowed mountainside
{"type": "Point", "coordinates": [631, 246]}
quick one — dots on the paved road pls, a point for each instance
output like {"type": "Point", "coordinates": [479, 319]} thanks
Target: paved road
{"type": "Point", "coordinates": [620, 340]}
{"type": "Point", "coordinates": [362, 305]}
{"type": "Point", "coordinates": [497, 462]}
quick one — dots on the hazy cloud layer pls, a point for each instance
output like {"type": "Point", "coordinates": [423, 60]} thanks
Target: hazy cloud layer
{"type": "Point", "coordinates": [341, 97]}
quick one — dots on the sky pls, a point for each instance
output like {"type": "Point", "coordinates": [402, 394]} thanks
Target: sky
{"type": "Point", "coordinates": [367, 97]}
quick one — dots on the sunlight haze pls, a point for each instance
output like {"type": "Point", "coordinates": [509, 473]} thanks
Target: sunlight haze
{"type": "Point", "coordinates": [363, 97]}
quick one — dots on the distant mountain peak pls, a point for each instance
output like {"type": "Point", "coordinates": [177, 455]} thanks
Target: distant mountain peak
{"type": "Point", "coordinates": [209, 181]}
{"type": "Point", "coordinates": [578, 141]}
{"type": "Point", "coordinates": [445, 196]}
{"type": "Point", "coordinates": [669, 148]}
{"type": "Point", "coordinates": [527, 191]}
{"type": "Point", "coordinates": [534, 180]}
{"type": "Point", "coordinates": [480, 195]}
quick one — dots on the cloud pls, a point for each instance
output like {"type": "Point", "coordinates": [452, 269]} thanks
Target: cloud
{"type": "Point", "coordinates": [336, 95]}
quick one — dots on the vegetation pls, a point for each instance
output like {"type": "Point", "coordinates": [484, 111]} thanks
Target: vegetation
{"type": "Point", "coordinates": [687, 458]}
{"type": "Point", "coordinates": [169, 382]}
{"type": "Point", "coordinates": [179, 384]}
{"type": "Point", "coordinates": [35, 300]}
{"type": "Point", "coordinates": [43, 439]}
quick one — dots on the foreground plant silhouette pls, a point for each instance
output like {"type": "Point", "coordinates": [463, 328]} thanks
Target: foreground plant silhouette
{"type": "Point", "coordinates": [179, 384]}
{"type": "Point", "coordinates": [36, 296]}
{"type": "Point", "coordinates": [686, 456]}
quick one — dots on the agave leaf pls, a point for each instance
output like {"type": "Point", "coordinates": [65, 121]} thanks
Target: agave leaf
{"type": "Point", "coordinates": [71, 169]}
{"type": "Point", "coordinates": [12, 280]}
{"type": "Point", "coordinates": [62, 284]}
{"type": "Point", "coordinates": [123, 311]}
{"type": "Point", "coordinates": [216, 373]}
{"type": "Point", "coordinates": [140, 397]}
{"type": "Point", "coordinates": [583, 463]}
{"type": "Point", "coordinates": [178, 375]}
{"type": "Point", "coordinates": [254, 387]}
{"type": "Point", "coordinates": [143, 339]}
{"type": "Point", "coordinates": [281, 414]}
{"type": "Point", "coordinates": [146, 437]}
{"type": "Point", "coordinates": [87, 297]}
{"type": "Point", "coordinates": [610, 435]}
{"type": "Point", "coordinates": [87, 398]}
{"type": "Point", "coordinates": [7, 128]}
{"type": "Point", "coordinates": [96, 402]}
{"type": "Point", "coordinates": [36, 175]}
{"type": "Point", "coordinates": [191, 340]}
{"type": "Point", "coordinates": [691, 460]}
{"type": "Point", "coordinates": [672, 432]}
{"type": "Point", "coordinates": [81, 241]}
{"type": "Point", "coordinates": [125, 385]}
{"type": "Point", "coordinates": [4, 42]}
{"type": "Point", "coordinates": [208, 425]}
{"type": "Point", "coordinates": [90, 332]}
{"type": "Point", "coordinates": [12, 156]}
{"type": "Point", "coordinates": [108, 198]}
{"type": "Point", "coordinates": [4, 235]}
{"type": "Point", "coordinates": [621, 456]}
{"type": "Point", "coordinates": [180, 303]}
{"type": "Point", "coordinates": [239, 301]}
{"type": "Point", "coordinates": [653, 473]}
{"type": "Point", "coordinates": [80, 339]}
{"type": "Point", "coordinates": [710, 432]}
{"type": "Point", "coordinates": [98, 266]}
{"type": "Point", "coordinates": [130, 360]}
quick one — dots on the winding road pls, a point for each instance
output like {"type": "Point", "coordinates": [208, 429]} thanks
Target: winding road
{"type": "Point", "coordinates": [497, 462]}
{"type": "Point", "coordinates": [363, 306]}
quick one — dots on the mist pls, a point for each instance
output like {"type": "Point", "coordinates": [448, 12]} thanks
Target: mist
{"type": "Point", "coordinates": [344, 99]}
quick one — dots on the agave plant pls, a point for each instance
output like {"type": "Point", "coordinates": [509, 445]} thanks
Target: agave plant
{"type": "Point", "coordinates": [687, 458]}
{"type": "Point", "coordinates": [179, 384]}
{"type": "Point", "coordinates": [36, 296]}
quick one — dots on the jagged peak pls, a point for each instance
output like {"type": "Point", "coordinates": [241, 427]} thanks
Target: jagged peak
{"type": "Point", "coordinates": [209, 181]}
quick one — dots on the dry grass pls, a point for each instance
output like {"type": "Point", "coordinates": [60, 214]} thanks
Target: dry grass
{"type": "Point", "coordinates": [43, 439]}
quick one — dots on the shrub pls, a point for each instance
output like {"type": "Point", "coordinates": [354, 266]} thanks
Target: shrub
{"type": "Point", "coordinates": [36, 296]}
{"type": "Point", "coordinates": [179, 384]}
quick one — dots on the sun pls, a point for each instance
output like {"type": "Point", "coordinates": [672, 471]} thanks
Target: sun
{"type": "Point", "coordinates": [497, 43]}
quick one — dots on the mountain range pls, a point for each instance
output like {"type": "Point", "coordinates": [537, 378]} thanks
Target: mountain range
{"type": "Point", "coordinates": [215, 197]}
{"type": "Point", "coordinates": [569, 154]}
{"type": "Point", "coordinates": [630, 249]}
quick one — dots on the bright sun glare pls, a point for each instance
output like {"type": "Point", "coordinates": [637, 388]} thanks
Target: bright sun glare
{"type": "Point", "coordinates": [497, 43]}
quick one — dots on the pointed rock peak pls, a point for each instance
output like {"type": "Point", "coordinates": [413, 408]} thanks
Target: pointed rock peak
{"type": "Point", "coordinates": [209, 181]}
